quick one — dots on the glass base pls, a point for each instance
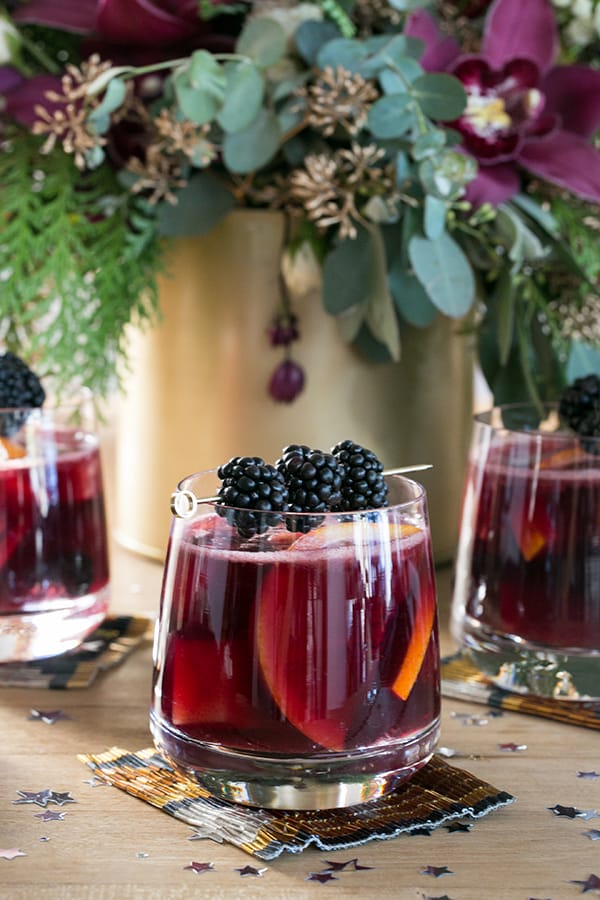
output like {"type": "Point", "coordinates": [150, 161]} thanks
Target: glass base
{"type": "Point", "coordinates": [37, 635]}
{"type": "Point", "coordinates": [525, 667]}
{"type": "Point", "coordinates": [323, 781]}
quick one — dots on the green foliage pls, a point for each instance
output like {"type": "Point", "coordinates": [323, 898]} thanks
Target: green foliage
{"type": "Point", "coordinates": [78, 261]}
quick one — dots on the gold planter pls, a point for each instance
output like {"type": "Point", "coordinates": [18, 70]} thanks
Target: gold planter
{"type": "Point", "coordinates": [197, 394]}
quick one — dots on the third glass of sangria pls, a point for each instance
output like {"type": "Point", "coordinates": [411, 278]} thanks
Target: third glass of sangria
{"type": "Point", "coordinates": [527, 591]}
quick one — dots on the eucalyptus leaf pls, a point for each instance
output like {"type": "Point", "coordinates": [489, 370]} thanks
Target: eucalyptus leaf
{"type": "Point", "coordinates": [399, 79]}
{"type": "Point", "coordinates": [428, 144]}
{"type": "Point", "coordinates": [263, 40]}
{"type": "Point", "coordinates": [434, 217]}
{"type": "Point", "coordinates": [441, 97]}
{"type": "Point", "coordinates": [391, 116]}
{"type": "Point", "coordinates": [290, 114]}
{"type": "Point", "coordinates": [347, 274]}
{"type": "Point", "coordinates": [200, 205]}
{"type": "Point", "coordinates": [543, 217]}
{"type": "Point", "coordinates": [244, 96]}
{"type": "Point", "coordinates": [253, 147]}
{"type": "Point", "coordinates": [584, 359]}
{"type": "Point", "coordinates": [351, 321]}
{"type": "Point", "coordinates": [523, 243]}
{"type": "Point", "coordinates": [345, 52]}
{"type": "Point", "coordinates": [381, 314]}
{"type": "Point", "coordinates": [410, 297]}
{"type": "Point", "coordinates": [505, 299]}
{"type": "Point", "coordinates": [199, 104]}
{"type": "Point", "coordinates": [204, 72]}
{"type": "Point", "coordinates": [311, 36]}
{"type": "Point", "coordinates": [445, 273]}
{"type": "Point", "coordinates": [370, 347]}
{"type": "Point", "coordinates": [112, 100]}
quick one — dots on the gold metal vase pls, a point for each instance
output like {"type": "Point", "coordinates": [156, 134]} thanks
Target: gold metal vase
{"type": "Point", "coordinates": [197, 393]}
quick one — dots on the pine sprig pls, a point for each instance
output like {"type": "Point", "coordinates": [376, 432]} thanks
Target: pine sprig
{"type": "Point", "coordinates": [78, 261]}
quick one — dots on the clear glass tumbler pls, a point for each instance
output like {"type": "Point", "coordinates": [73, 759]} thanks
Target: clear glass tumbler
{"type": "Point", "coordinates": [54, 578]}
{"type": "Point", "coordinates": [298, 669]}
{"type": "Point", "coordinates": [527, 590]}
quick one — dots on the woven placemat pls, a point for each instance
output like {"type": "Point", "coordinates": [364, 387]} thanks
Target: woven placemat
{"type": "Point", "coordinates": [109, 645]}
{"type": "Point", "coordinates": [462, 680]}
{"type": "Point", "coordinates": [438, 793]}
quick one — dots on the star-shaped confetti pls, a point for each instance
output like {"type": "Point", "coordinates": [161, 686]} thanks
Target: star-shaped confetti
{"type": "Point", "coordinates": [322, 877]}
{"type": "Point", "coordinates": [589, 814]}
{"type": "Point", "coordinates": [512, 747]}
{"type": "Point", "coordinates": [592, 884]}
{"type": "Point", "coordinates": [571, 812]}
{"type": "Point", "coordinates": [338, 866]}
{"type": "Point", "coordinates": [436, 871]}
{"type": "Point", "coordinates": [250, 871]}
{"type": "Point", "coordinates": [590, 775]}
{"type": "Point", "coordinates": [48, 716]}
{"type": "Point", "coordinates": [11, 853]}
{"type": "Point", "coordinates": [60, 798]}
{"type": "Point", "coordinates": [50, 816]}
{"type": "Point", "coordinates": [200, 867]}
{"type": "Point", "coordinates": [469, 718]}
{"type": "Point", "coordinates": [141, 855]}
{"type": "Point", "coordinates": [459, 826]}
{"type": "Point", "coordinates": [40, 798]}
{"type": "Point", "coordinates": [593, 834]}
{"type": "Point", "coordinates": [205, 832]}
{"type": "Point", "coordinates": [94, 781]}
{"type": "Point", "coordinates": [443, 897]}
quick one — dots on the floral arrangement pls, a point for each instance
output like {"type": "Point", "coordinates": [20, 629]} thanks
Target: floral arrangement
{"type": "Point", "coordinates": [430, 157]}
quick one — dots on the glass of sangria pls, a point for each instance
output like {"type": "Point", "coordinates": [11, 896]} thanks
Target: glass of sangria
{"type": "Point", "coordinates": [54, 578]}
{"type": "Point", "coordinates": [298, 668]}
{"type": "Point", "coordinates": [527, 592]}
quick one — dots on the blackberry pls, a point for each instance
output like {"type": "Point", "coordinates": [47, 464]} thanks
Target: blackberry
{"type": "Point", "coordinates": [256, 491]}
{"type": "Point", "coordinates": [363, 485]}
{"type": "Point", "coordinates": [313, 480]}
{"type": "Point", "coordinates": [19, 387]}
{"type": "Point", "coordinates": [579, 402]}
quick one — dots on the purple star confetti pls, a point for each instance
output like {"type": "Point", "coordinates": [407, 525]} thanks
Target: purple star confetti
{"type": "Point", "coordinates": [200, 867]}
{"type": "Point", "coordinates": [594, 834]}
{"type": "Point", "coordinates": [250, 871]}
{"type": "Point", "coordinates": [571, 812]}
{"type": "Point", "coordinates": [592, 884]}
{"type": "Point", "coordinates": [49, 816]}
{"type": "Point", "coordinates": [590, 775]}
{"type": "Point", "coordinates": [436, 871]}
{"type": "Point", "coordinates": [335, 866]}
{"type": "Point", "coordinates": [61, 798]}
{"type": "Point", "coordinates": [40, 798]}
{"type": "Point", "coordinates": [512, 747]}
{"type": "Point", "coordinates": [443, 897]}
{"type": "Point", "coordinates": [48, 716]}
{"type": "Point", "coordinates": [11, 853]}
{"type": "Point", "coordinates": [459, 826]}
{"type": "Point", "coordinates": [321, 876]}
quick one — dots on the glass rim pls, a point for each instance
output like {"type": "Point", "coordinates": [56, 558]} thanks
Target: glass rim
{"type": "Point", "coordinates": [561, 432]}
{"type": "Point", "coordinates": [420, 496]}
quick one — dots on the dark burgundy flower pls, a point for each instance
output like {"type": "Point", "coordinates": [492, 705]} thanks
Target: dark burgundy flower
{"type": "Point", "coordinates": [287, 381]}
{"type": "Point", "coordinates": [283, 331]}
{"type": "Point", "coordinates": [521, 110]}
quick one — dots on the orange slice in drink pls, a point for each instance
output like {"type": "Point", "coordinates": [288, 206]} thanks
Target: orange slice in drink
{"type": "Point", "coordinates": [416, 650]}
{"type": "Point", "coordinates": [9, 450]}
{"type": "Point", "coordinates": [319, 640]}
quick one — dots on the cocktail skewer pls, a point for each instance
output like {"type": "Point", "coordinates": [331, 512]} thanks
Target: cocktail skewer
{"type": "Point", "coordinates": [184, 503]}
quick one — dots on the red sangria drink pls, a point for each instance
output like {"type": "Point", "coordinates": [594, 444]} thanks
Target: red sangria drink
{"type": "Point", "coordinates": [53, 543]}
{"type": "Point", "coordinates": [299, 667]}
{"type": "Point", "coordinates": [527, 596]}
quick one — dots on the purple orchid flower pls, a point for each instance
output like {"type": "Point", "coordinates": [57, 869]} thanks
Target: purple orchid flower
{"type": "Point", "coordinates": [522, 111]}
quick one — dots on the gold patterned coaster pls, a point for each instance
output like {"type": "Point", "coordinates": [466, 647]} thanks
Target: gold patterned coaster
{"type": "Point", "coordinates": [438, 793]}
{"type": "Point", "coordinates": [462, 680]}
{"type": "Point", "coordinates": [107, 646]}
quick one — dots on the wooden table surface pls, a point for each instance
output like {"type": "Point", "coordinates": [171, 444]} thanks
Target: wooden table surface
{"type": "Point", "coordinates": [521, 851]}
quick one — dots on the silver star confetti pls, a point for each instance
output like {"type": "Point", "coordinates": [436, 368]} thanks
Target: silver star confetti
{"type": "Point", "coordinates": [512, 748]}
{"type": "Point", "coordinates": [470, 718]}
{"type": "Point", "coordinates": [250, 870]}
{"type": "Point", "coordinates": [40, 798]}
{"type": "Point", "coordinates": [49, 816]}
{"type": "Point", "coordinates": [205, 832]}
{"type": "Point", "coordinates": [593, 834]}
{"type": "Point", "coordinates": [436, 871]}
{"type": "Point", "coordinates": [11, 853]}
{"type": "Point", "coordinates": [141, 855]}
{"type": "Point", "coordinates": [48, 716]}
{"type": "Point", "coordinates": [200, 867]}
{"type": "Point", "coordinates": [43, 839]}
{"type": "Point", "coordinates": [94, 781]}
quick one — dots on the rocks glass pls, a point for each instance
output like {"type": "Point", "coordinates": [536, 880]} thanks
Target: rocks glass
{"type": "Point", "coordinates": [527, 595]}
{"type": "Point", "coordinates": [53, 543]}
{"type": "Point", "coordinates": [298, 668]}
